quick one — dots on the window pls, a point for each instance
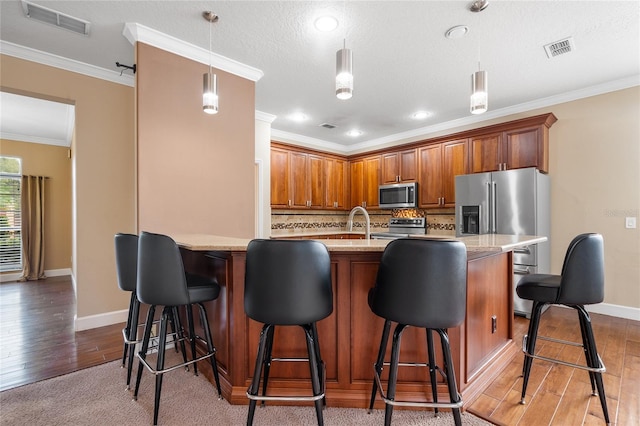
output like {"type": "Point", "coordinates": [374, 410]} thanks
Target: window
{"type": "Point", "coordinates": [10, 216]}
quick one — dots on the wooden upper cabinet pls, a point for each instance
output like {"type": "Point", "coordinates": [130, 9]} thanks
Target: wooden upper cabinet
{"type": "Point", "coordinates": [439, 164]}
{"type": "Point", "coordinates": [280, 178]}
{"type": "Point", "coordinates": [336, 184]}
{"type": "Point", "coordinates": [455, 161]}
{"type": "Point", "coordinates": [519, 144]}
{"type": "Point", "coordinates": [365, 180]}
{"type": "Point", "coordinates": [297, 179]}
{"type": "Point", "coordinates": [430, 182]}
{"type": "Point", "coordinates": [401, 166]}
{"type": "Point", "coordinates": [486, 153]}
{"type": "Point", "coordinates": [524, 148]}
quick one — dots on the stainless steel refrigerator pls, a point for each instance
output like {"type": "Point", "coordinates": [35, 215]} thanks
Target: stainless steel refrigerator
{"type": "Point", "coordinates": [508, 202]}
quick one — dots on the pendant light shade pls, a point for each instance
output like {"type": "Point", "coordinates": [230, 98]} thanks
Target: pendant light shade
{"type": "Point", "coordinates": [344, 73]}
{"type": "Point", "coordinates": [209, 79]}
{"type": "Point", "coordinates": [479, 92]}
{"type": "Point", "coordinates": [210, 93]}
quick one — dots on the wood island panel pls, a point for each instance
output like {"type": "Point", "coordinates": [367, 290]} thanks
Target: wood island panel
{"type": "Point", "coordinates": [350, 336]}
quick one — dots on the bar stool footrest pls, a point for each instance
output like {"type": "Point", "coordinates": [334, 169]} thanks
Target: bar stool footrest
{"type": "Point", "coordinates": [293, 398]}
{"type": "Point", "coordinates": [600, 369]}
{"type": "Point", "coordinates": [393, 402]}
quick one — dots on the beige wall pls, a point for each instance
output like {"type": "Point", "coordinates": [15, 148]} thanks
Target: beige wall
{"type": "Point", "coordinates": [102, 175]}
{"type": "Point", "coordinates": [53, 162]}
{"type": "Point", "coordinates": [195, 171]}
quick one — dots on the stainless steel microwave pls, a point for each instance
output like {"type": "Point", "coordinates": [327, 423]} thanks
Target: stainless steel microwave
{"type": "Point", "coordinates": [398, 195]}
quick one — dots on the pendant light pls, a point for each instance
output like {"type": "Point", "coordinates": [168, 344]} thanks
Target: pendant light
{"type": "Point", "coordinates": [209, 79]}
{"type": "Point", "coordinates": [479, 93]}
{"type": "Point", "coordinates": [344, 73]}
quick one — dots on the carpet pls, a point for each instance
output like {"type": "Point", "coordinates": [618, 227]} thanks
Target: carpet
{"type": "Point", "coordinates": [97, 396]}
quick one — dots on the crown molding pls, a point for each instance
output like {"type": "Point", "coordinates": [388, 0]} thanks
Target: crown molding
{"type": "Point", "coordinates": [265, 116]}
{"type": "Point", "coordinates": [308, 142]}
{"type": "Point", "coordinates": [44, 58]}
{"type": "Point", "coordinates": [33, 139]}
{"type": "Point", "coordinates": [135, 32]}
{"type": "Point", "coordinates": [425, 132]}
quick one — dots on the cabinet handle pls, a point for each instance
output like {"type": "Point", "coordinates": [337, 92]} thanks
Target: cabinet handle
{"type": "Point", "coordinates": [289, 203]}
{"type": "Point", "coordinates": [364, 204]}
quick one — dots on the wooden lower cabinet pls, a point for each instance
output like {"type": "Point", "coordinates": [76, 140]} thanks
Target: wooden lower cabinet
{"type": "Point", "coordinates": [350, 336]}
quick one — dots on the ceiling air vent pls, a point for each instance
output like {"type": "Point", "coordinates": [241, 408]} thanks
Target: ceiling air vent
{"type": "Point", "coordinates": [52, 17]}
{"type": "Point", "coordinates": [328, 126]}
{"type": "Point", "coordinates": [560, 47]}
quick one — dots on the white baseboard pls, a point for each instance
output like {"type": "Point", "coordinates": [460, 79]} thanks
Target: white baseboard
{"type": "Point", "coordinates": [615, 311]}
{"type": "Point", "coordinates": [49, 273]}
{"type": "Point", "coordinates": [101, 320]}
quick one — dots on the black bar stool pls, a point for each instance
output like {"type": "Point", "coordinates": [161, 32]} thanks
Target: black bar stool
{"type": "Point", "coordinates": [126, 251]}
{"type": "Point", "coordinates": [420, 283]}
{"type": "Point", "coordinates": [580, 283]}
{"type": "Point", "coordinates": [126, 246]}
{"type": "Point", "coordinates": [162, 282]}
{"type": "Point", "coordinates": [287, 283]}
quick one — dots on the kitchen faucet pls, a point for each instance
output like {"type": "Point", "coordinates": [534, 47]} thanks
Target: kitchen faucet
{"type": "Point", "coordinates": [366, 218]}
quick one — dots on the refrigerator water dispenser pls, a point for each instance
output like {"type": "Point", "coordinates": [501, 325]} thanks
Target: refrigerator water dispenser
{"type": "Point", "coordinates": [470, 220]}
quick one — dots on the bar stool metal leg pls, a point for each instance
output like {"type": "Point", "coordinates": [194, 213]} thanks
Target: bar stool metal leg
{"type": "Point", "coordinates": [132, 335]}
{"type": "Point", "coordinates": [532, 334]}
{"type": "Point", "coordinates": [162, 342]}
{"type": "Point", "coordinates": [393, 372]}
{"type": "Point", "coordinates": [432, 369]}
{"type": "Point", "coordinates": [451, 374]}
{"type": "Point", "coordinates": [144, 348]}
{"type": "Point", "coordinates": [257, 372]}
{"type": "Point", "coordinates": [315, 374]}
{"type": "Point", "coordinates": [210, 347]}
{"type": "Point", "coordinates": [267, 362]}
{"type": "Point", "coordinates": [380, 361]}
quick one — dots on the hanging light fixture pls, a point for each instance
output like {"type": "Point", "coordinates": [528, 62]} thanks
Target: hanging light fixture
{"type": "Point", "coordinates": [209, 79]}
{"type": "Point", "coordinates": [344, 73]}
{"type": "Point", "coordinates": [479, 93]}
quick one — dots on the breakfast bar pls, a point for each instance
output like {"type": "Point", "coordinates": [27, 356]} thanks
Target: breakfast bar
{"type": "Point", "coordinates": [349, 337]}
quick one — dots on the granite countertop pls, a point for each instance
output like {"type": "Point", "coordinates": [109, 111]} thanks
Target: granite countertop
{"type": "Point", "coordinates": [478, 243]}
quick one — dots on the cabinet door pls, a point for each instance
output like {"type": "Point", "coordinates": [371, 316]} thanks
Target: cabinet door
{"type": "Point", "coordinates": [486, 153]}
{"type": "Point", "coordinates": [336, 178]}
{"type": "Point", "coordinates": [523, 148]}
{"type": "Point", "coordinates": [455, 161]}
{"type": "Point", "coordinates": [357, 183]}
{"type": "Point", "coordinates": [399, 166]}
{"type": "Point", "coordinates": [409, 165]}
{"type": "Point", "coordinates": [430, 183]}
{"type": "Point", "coordinates": [279, 178]}
{"type": "Point", "coordinates": [299, 179]}
{"type": "Point", "coordinates": [316, 181]}
{"type": "Point", "coordinates": [371, 181]}
{"type": "Point", "coordinates": [390, 168]}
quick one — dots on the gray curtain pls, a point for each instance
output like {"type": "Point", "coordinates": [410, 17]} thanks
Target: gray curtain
{"type": "Point", "coordinates": [33, 195]}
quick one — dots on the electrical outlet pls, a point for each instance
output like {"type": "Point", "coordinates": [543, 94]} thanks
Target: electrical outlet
{"type": "Point", "coordinates": [630, 222]}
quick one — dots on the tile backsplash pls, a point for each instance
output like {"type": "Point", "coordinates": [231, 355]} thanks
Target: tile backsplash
{"type": "Point", "coordinates": [284, 222]}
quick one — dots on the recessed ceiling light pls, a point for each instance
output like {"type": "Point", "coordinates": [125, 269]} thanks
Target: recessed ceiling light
{"type": "Point", "coordinates": [420, 115]}
{"type": "Point", "coordinates": [326, 23]}
{"type": "Point", "coordinates": [354, 133]}
{"type": "Point", "coordinates": [297, 116]}
{"type": "Point", "coordinates": [458, 31]}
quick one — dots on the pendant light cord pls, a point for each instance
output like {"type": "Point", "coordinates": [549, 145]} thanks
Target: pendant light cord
{"type": "Point", "coordinates": [210, 54]}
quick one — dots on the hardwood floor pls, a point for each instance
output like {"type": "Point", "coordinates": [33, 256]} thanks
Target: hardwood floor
{"type": "Point", "coordinates": [39, 342]}
{"type": "Point", "coordinates": [37, 338]}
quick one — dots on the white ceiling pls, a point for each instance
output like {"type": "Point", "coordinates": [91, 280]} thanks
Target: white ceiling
{"type": "Point", "coordinates": [402, 60]}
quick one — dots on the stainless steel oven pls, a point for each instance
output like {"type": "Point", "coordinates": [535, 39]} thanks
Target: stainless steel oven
{"type": "Point", "coordinates": [402, 227]}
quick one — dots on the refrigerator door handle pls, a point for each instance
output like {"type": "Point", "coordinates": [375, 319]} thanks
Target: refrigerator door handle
{"type": "Point", "coordinates": [525, 271]}
{"type": "Point", "coordinates": [493, 207]}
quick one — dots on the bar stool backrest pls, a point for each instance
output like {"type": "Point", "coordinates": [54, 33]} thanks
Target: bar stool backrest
{"type": "Point", "coordinates": [422, 283]}
{"type": "Point", "coordinates": [583, 271]}
{"type": "Point", "coordinates": [161, 276]}
{"type": "Point", "coordinates": [287, 282]}
{"type": "Point", "coordinates": [126, 246]}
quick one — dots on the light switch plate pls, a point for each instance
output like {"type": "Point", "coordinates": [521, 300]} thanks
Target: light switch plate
{"type": "Point", "coordinates": [630, 222]}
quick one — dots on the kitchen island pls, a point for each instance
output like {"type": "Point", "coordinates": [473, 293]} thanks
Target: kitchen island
{"type": "Point", "coordinates": [350, 336]}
